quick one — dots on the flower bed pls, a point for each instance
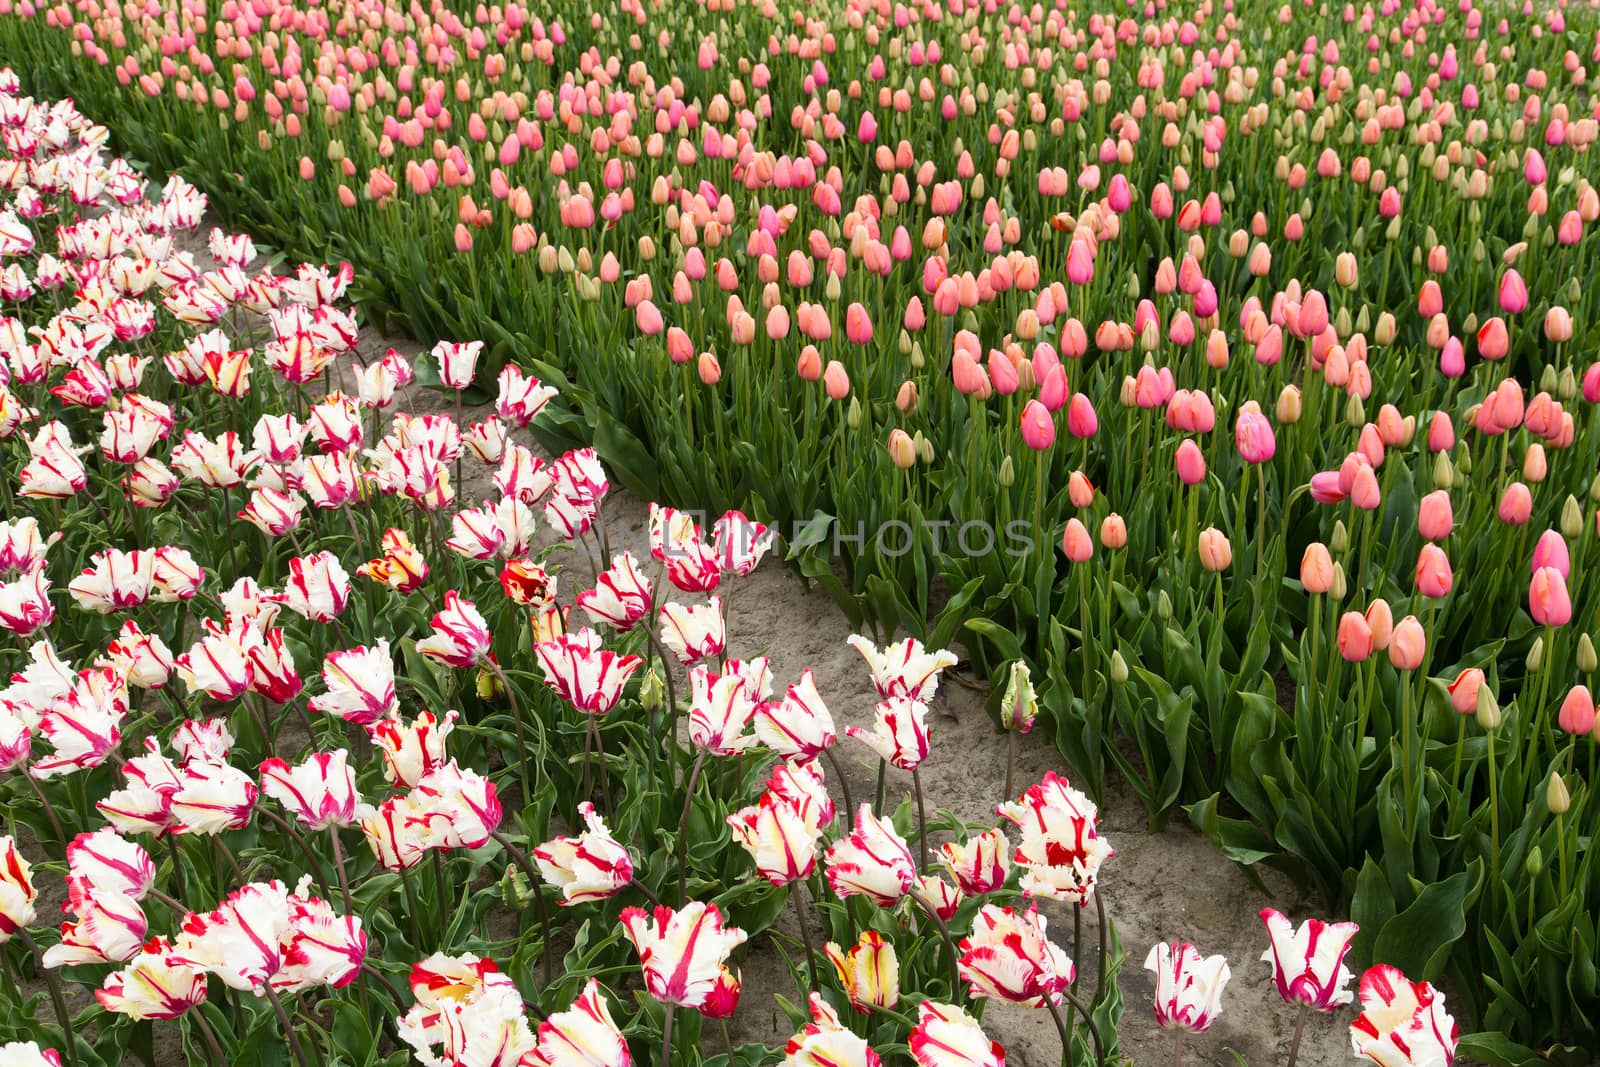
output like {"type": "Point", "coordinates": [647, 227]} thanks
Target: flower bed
{"type": "Point", "coordinates": [972, 281]}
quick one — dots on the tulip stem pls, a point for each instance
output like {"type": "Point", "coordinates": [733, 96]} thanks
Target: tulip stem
{"type": "Point", "coordinates": [1094, 1027]}
{"type": "Point", "coordinates": [844, 783]}
{"type": "Point", "coordinates": [1011, 762]}
{"type": "Point", "coordinates": [666, 1035]}
{"type": "Point", "coordinates": [1063, 1030]}
{"type": "Point", "coordinates": [1177, 1048]}
{"type": "Point", "coordinates": [525, 786]}
{"type": "Point", "coordinates": [1105, 929]}
{"type": "Point", "coordinates": [805, 931]}
{"type": "Point", "coordinates": [338, 863]}
{"type": "Point", "coordinates": [880, 795]}
{"type": "Point", "coordinates": [922, 822]}
{"type": "Point", "coordinates": [650, 894]}
{"type": "Point", "coordinates": [288, 1027]}
{"type": "Point", "coordinates": [600, 758]}
{"type": "Point", "coordinates": [383, 980]}
{"type": "Point", "coordinates": [53, 982]}
{"type": "Point", "coordinates": [949, 943]}
{"type": "Point", "coordinates": [683, 827]}
{"type": "Point", "coordinates": [1299, 1029]}
{"type": "Point", "coordinates": [311, 857]}
{"type": "Point", "coordinates": [49, 809]}
{"type": "Point", "coordinates": [521, 859]}
{"type": "Point", "coordinates": [411, 908]}
{"type": "Point", "coordinates": [213, 1048]}
{"type": "Point", "coordinates": [1077, 953]}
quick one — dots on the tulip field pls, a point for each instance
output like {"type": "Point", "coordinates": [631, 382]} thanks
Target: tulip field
{"type": "Point", "coordinates": [1213, 385]}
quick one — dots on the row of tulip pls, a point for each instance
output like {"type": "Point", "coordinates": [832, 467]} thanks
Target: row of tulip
{"type": "Point", "coordinates": [1354, 225]}
{"type": "Point", "coordinates": [198, 808]}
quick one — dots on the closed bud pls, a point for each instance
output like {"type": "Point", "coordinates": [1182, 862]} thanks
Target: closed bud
{"type": "Point", "coordinates": [515, 888]}
{"type": "Point", "coordinates": [1571, 518]}
{"type": "Point", "coordinates": [1163, 605]}
{"type": "Point", "coordinates": [1340, 585]}
{"type": "Point", "coordinates": [1556, 797]}
{"type": "Point", "coordinates": [1535, 862]}
{"type": "Point", "coordinates": [1535, 655]}
{"type": "Point", "coordinates": [1355, 411]}
{"type": "Point", "coordinates": [1289, 406]}
{"type": "Point", "coordinates": [1383, 332]}
{"type": "Point", "coordinates": [925, 448]}
{"type": "Point", "coordinates": [902, 450]}
{"type": "Point", "coordinates": [1567, 384]}
{"type": "Point", "coordinates": [1008, 474]}
{"type": "Point", "coordinates": [1119, 667]}
{"type": "Point", "coordinates": [1464, 460]}
{"type": "Point", "coordinates": [1489, 717]}
{"type": "Point", "coordinates": [1586, 660]}
{"type": "Point", "coordinates": [918, 360]}
{"type": "Point", "coordinates": [1340, 541]}
{"type": "Point", "coordinates": [1444, 473]}
{"type": "Point", "coordinates": [652, 691]}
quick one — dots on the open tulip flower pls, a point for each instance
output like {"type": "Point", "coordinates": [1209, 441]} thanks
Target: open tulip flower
{"type": "Point", "coordinates": [1189, 986]}
{"type": "Point", "coordinates": [1402, 1023]}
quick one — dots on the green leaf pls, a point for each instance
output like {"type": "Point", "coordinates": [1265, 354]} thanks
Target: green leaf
{"type": "Point", "coordinates": [1418, 939]}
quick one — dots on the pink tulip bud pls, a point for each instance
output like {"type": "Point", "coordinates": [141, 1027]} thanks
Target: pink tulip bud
{"type": "Point", "coordinates": [1316, 569]}
{"type": "Point", "coordinates": [1577, 711]}
{"type": "Point", "coordinates": [1441, 434]}
{"type": "Point", "coordinates": [1216, 554]}
{"type": "Point", "coordinates": [1252, 435]}
{"type": "Point", "coordinates": [1191, 462]}
{"type": "Point", "coordinates": [1038, 426]}
{"type": "Point", "coordinates": [1494, 341]}
{"type": "Point", "coordinates": [1434, 577]}
{"type": "Point", "coordinates": [1513, 292]}
{"type": "Point", "coordinates": [1551, 551]}
{"type": "Point", "coordinates": [857, 325]}
{"type": "Point", "coordinates": [1076, 543]}
{"type": "Point", "coordinates": [809, 365]}
{"type": "Point", "coordinates": [1354, 638]}
{"type": "Point", "coordinates": [1464, 691]}
{"type": "Point", "coordinates": [1516, 504]}
{"type": "Point", "coordinates": [1408, 644]}
{"type": "Point", "coordinates": [1082, 422]}
{"type": "Point", "coordinates": [836, 380]}
{"type": "Point", "coordinates": [709, 369]}
{"type": "Point", "coordinates": [1435, 516]}
{"type": "Point", "coordinates": [1113, 531]}
{"type": "Point", "coordinates": [1364, 491]}
{"type": "Point", "coordinates": [1381, 620]}
{"type": "Point", "coordinates": [1548, 601]}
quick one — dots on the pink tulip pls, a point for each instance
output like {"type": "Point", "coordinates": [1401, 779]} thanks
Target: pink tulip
{"type": "Point", "coordinates": [1577, 712]}
{"type": "Point", "coordinates": [1551, 551]}
{"type": "Point", "coordinates": [1435, 517]}
{"type": "Point", "coordinates": [1081, 419]}
{"type": "Point", "coordinates": [1354, 638]}
{"type": "Point", "coordinates": [1434, 578]}
{"type": "Point", "coordinates": [1316, 569]}
{"type": "Point", "coordinates": [1038, 426]}
{"type": "Point", "coordinates": [1407, 644]}
{"type": "Point", "coordinates": [1513, 292]}
{"type": "Point", "coordinates": [1252, 435]}
{"type": "Point", "coordinates": [1516, 504]}
{"type": "Point", "coordinates": [1075, 541]}
{"type": "Point", "coordinates": [858, 325]}
{"type": "Point", "coordinates": [1548, 601]}
{"type": "Point", "coordinates": [1464, 690]}
{"type": "Point", "coordinates": [836, 380]}
{"type": "Point", "coordinates": [1191, 462]}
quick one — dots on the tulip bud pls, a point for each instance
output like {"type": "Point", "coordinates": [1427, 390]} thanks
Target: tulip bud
{"type": "Point", "coordinates": [651, 690]}
{"type": "Point", "coordinates": [1535, 657]}
{"type": "Point", "coordinates": [1571, 518]}
{"type": "Point", "coordinates": [1464, 460]}
{"type": "Point", "coordinates": [1556, 797]}
{"type": "Point", "coordinates": [852, 415]}
{"type": "Point", "coordinates": [902, 452]}
{"type": "Point", "coordinates": [1444, 475]}
{"type": "Point", "coordinates": [1384, 332]}
{"type": "Point", "coordinates": [1019, 706]}
{"type": "Point", "coordinates": [1216, 554]}
{"type": "Point", "coordinates": [1163, 605]}
{"type": "Point", "coordinates": [515, 889]}
{"type": "Point", "coordinates": [1489, 717]}
{"type": "Point", "coordinates": [1119, 667]}
{"type": "Point", "coordinates": [1535, 862]}
{"type": "Point", "coordinates": [1289, 406]}
{"type": "Point", "coordinates": [1586, 660]}
{"type": "Point", "coordinates": [1340, 541]}
{"type": "Point", "coordinates": [1355, 412]}
{"type": "Point", "coordinates": [1008, 474]}
{"type": "Point", "coordinates": [1340, 585]}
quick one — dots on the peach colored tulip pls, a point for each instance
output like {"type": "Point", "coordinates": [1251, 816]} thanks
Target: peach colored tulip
{"type": "Point", "coordinates": [1216, 554]}
{"type": "Point", "coordinates": [1548, 600]}
{"type": "Point", "coordinates": [1464, 691]}
{"type": "Point", "coordinates": [1354, 637]}
{"type": "Point", "coordinates": [1407, 645]}
{"type": "Point", "coordinates": [1316, 569]}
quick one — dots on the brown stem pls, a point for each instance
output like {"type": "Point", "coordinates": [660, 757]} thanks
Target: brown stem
{"type": "Point", "coordinates": [683, 828]}
{"type": "Point", "coordinates": [1299, 1030]}
{"type": "Point", "coordinates": [521, 859]}
{"type": "Point", "coordinates": [53, 982]}
{"type": "Point", "coordinates": [844, 784]}
{"type": "Point", "coordinates": [209, 1036]}
{"type": "Point", "coordinates": [288, 1027]}
{"type": "Point", "coordinates": [949, 943]}
{"type": "Point", "coordinates": [805, 930]}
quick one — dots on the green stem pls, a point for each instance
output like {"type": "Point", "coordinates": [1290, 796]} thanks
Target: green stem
{"type": "Point", "coordinates": [52, 981]}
